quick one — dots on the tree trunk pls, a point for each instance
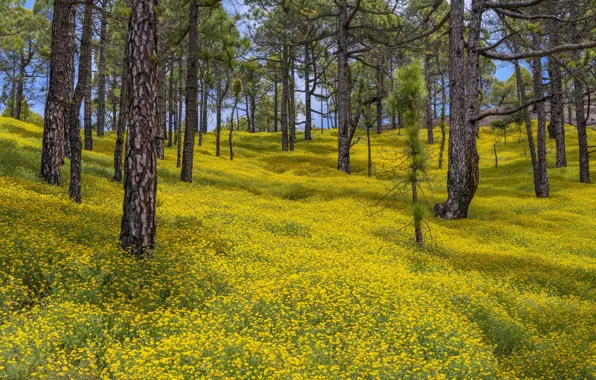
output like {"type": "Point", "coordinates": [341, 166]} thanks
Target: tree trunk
{"type": "Point", "coordinates": [140, 182]}
{"type": "Point", "coordinates": [580, 118]}
{"type": "Point", "coordinates": [292, 102]}
{"type": "Point", "coordinates": [542, 185]}
{"type": "Point", "coordinates": [204, 108]}
{"type": "Point", "coordinates": [232, 128]}
{"type": "Point", "coordinates": [122, 119]}
{"type": "Point", "coordinates": [462, 176]}
{"type": "Point", "coordinates": [342, 95]}
{"type": "Point", "coordinates": [443, 121]}
{"type": "Point", "coordinates": [191, 94]}
{"type": "Point", "coordinates": [275, 108]}
{"type": "Point", "coordinates": [101, 68]}
{"type": "Point", "coordinates": [20, 88]}
{"type": "Point", "coordinates": [162, 128]}
{"type": "Point", "coordinates": [83, 82]}
{"type": "Point", "coordinates": [88, 112]}
{"type": "Point", "coordinates": [253, 111]}
{"type": "Point", "coordinates": [218, 107]}
{"type": "Point", "coordinates": [380, 99]}
{"type": "Point", "coordinates": [171, 106]}
{"type": "Point", "coordinates": [307, 95]}
{"type": "Point", "coordinates": [60, 90]}
{"type": "Point", "coordinates": [284, 99]}
{"type": "Point", "coordinates": [179, 118]}
{"type": "Point", "coordinates": [557, 107]}
{"type": "Point", "coordinates": [428, 121]}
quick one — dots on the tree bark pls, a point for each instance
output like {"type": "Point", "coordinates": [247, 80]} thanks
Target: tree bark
{"type": "Point", "coordinates": [88, 113]}
{"type": "Point", "coordinates": [292, 102]}
{"type": "Point", "coordinates": [74, 121]}
{"type": "Point", "coordinates": [171, 106]}
{"type": "Point", "coordinates": [179, 118]}
{"type": "Point", "coordinates": [307, 95]}
{"type": "Point", "coordinates": [580, 118]}
{"type": "Point", "coordinates": [342, 95]}
{"type": "Point", "coordinates": [462, 176]}
{"type": "Point", "coordinates": [140, 184]}
{"type": "Point", "coordinates": [162, 128]}
{"type": "Point", "coordinates": [60, 90]}
{"type": "Point", "coordinates": [428, 120]}
{"type": "Point", "coordinates": [122, 119]}
{"type": "Point", "coordinates": [380, 99]}
{"type": "Point", "coordinates": [557, 107]}
{"type": "Point", "coordinates": [284, 99]}
{"type": "Point", "coordinates": [101, 68]}
{"type": "Point", "coordinates": [541, 179]}
{"type": "Point", "coordinates": [191, 94]}
{"type": "Point", "coordinates": [275, 108]}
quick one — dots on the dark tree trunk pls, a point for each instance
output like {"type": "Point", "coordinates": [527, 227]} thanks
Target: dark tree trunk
{"type": "Point", "coordinates": [200, 115]}
{"type": "Point", "coordinates": [204, 108]}
{"type": "Point", "coordinates": [428, 121]}
{"type": "Point", "coordinates": [140, 182]}
{"type": "Point", "coordinates": [230, 136]}
{"type": "Point", "coordinates": [74, 121]}
{"type": "Point", "coordinates": [253, 111]}
{"type": "Point", "coordinates": [20, 88]}
{"type": "Point", "coordinates": [88, 112]}
{"type": "Point", "coordinates": [580, 118]}
{"type": "Point", "coordinates": [292, 103]}
{"type": "Point", "coordinates": [218, 107]}
{"type": "Point", "coordinates": [521, 93]}
{"type": "Point", "coordinates": [171, 106]}
{"type": "Point", "coordinates": [557, 107]}
{"type": "Point", "coordinates": [541, 183]}
{"type": "Point", "coordinates": [380, 99]}
{"type": "Point", "coordinates": [307, 95]}
{"type": "Point", "coordinates": [162, 128]}
{"type": "Point", "coordinates": [342, 95]}
{"type": "Point", "coordinates": [284, 99]}
{"type": "Point", "coordinates": [13, 85]}
{"type": "Point", "coordinates": [101, 68]}
{"type": "Point", "coordinates": [60, 90]}
{"type": "Point", "coordinates": [191, 94]}
{"type": "Point", "coordinates": [179, 118]}
{"type": "Point", "coordinates": [443, 121]}
{"type": "Point", "coordinates": [275, 108]}
{"type": "Point", "coordinates": [462, 176]}
{"type": "Point", "coordinates": [122, 119]}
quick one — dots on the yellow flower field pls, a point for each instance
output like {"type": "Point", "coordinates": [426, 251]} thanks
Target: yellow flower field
{"type": "Point", "coordinates": [278, 266]}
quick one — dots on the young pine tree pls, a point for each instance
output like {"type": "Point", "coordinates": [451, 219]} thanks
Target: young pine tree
{"type": "Point", "coordinates": [410, 96]}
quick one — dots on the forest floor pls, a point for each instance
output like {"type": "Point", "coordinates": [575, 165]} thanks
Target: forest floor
{"type": "Point", "coordinates": [276, 265]}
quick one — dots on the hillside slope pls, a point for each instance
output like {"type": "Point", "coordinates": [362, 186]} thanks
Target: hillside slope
{"type": "Point", "coordinates": [277, 265]}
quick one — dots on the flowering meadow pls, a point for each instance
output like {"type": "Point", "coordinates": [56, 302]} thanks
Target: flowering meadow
{"type": "Point", "coordinates": [276, 265]}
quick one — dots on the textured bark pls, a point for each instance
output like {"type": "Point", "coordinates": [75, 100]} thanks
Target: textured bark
{"type": "Point", "coordinates": [443, 121]}
{"type": "Point", "coordinates": [140, 183]}
{"type": "Point", "coordinates": [191, 94]}
{"type": "Point", "coordinates": [541, 177]}
{"type": "Point", "coordinates": [179, 119]}
{"type": "Point", "coordinates": [428, 120]}
{"type": "Point", "coordinates": [122, 119]}
{"type": "Point", "coordinates": [380, 99]}
{"type": "Point", "coordinates": [342, 95]}
{"type": "Point", "coordinates": [253, 112]}
{"type": "Point", "coordinates": [285, 88]}
{"type": "Point", "coordinates": [200, 114]}
{"type": "Point", "coordinates": [60, 90]}
{"type": "Point", "coordinates": [171, 106]}
{"type": "Point", "coordinates": [162, 128]}
{"type": "Point", "coordinates": [462, 176]}
{"type": "Point", "coordinates": [101, 71]}
{"type": "Point", "coordinates": [218, 121]}
{"type": "Point", "coordinates": [292, 104]}
{"type": "Point", "coordinates": [204, 108]}
{"type": "Point", "coordinates": [307, 95]}
{"type": "Point", "coordinates": [24, 62]}
{"type": "Point", "coordinates": [88, 112]}
{"type": "Point", "coordinates": [230, 135]}
{"type": "Point", "coordinates": [275, 107]}
{"type": "Point", "coordinates": [580, 118]}
{"type": "Point", "coordinates": [557, 114]}
{"type": "Point", "coordinates": [83, 82]}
